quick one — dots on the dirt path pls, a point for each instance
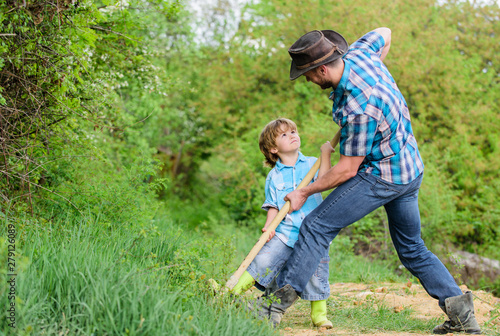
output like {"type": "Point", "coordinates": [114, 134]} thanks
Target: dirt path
{"type": "Point", "coordinates": [394, 296]}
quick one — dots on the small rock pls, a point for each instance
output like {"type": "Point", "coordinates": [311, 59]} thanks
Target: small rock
{"type": "Point", "coordinates": [364, 294]}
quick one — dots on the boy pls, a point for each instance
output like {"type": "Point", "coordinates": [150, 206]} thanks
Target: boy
{"type": "Point", "coordinates": [280, 143]}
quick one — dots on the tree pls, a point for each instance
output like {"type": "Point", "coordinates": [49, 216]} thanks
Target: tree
{"type": "Point", "coordinates": [60, 67]}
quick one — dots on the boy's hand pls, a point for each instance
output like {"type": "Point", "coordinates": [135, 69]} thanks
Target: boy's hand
{"type": "Point", "coordinates": [327, 148]}
{"type": "Point", "coordinates": [271, 234]}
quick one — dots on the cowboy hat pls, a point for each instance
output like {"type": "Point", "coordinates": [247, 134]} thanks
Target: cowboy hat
{"type": "Point", "coordinates": [315, 48]}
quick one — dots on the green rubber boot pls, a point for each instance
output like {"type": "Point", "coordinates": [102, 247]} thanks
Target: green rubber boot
{"type": "Point", "coordinates": [318, 315]}
{"type": "Point", "coordinates": [244, 283]}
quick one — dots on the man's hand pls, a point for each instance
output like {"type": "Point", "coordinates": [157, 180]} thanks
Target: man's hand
{"type": "Point", "coordinates": [297, 199]}
{"type": "Point", "coordinates": [386, 35]}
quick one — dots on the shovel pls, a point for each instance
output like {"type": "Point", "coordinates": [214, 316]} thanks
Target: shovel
{"type": "Point", "coordinates": [233, 280]}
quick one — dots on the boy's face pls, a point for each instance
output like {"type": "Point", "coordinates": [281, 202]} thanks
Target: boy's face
{"type": "Point", "coordinates": [287, 141]}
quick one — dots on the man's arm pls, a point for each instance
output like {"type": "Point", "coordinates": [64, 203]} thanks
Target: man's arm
{"type": "Point", "coordinates": [326, 158]}
{"type": "Point", "coordinates": [386, 34]}
{"type": "Point", "coordinates": [345, 169]}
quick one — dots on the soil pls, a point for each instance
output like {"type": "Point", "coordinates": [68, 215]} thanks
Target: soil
{"type": "Point", "coordinates": [394, 296]}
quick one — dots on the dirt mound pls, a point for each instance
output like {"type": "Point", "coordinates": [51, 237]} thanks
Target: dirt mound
{"type": "Point", "coordinates": [396, 297]}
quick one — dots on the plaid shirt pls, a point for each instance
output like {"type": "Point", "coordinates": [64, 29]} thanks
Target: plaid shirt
{"type": "Point", "coordinates": [281, 181]}
{"type": "Point", "coordinates": [373, 115]}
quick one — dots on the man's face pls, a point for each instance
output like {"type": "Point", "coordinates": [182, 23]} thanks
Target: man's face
{"type": "Point", "coordinates": [318, 77]}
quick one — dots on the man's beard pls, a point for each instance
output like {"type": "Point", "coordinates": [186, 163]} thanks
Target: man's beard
{"type": "Point", "coordinates": [326, 85]}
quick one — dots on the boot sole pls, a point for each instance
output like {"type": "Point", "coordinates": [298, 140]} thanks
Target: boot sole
{"type": "Point", "coordinates": [324, 324]}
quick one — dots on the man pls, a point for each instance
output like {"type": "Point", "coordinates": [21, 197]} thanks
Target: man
{"type": "Point", "coordinates": [379, 165]}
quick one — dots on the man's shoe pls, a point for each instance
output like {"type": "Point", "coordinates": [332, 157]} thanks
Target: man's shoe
{"type": "Point", "coordinates": [272, 306]}
{"type": "Point", "coordinates": [261, 305]}
{"type": "Point", "coordinates": [282, 300]}
{"type": "Point", "coordinates": [460, 311]}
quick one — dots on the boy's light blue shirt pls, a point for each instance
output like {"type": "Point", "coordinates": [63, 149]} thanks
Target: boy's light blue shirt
{"type": "Point", "coordinates": [282, 180]}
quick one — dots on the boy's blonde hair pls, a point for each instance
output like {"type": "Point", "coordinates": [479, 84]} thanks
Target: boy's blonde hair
{"type": "Point", "coordinates": [267, 139]}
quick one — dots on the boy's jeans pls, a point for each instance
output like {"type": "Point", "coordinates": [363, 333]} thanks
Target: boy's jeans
{"type": "Point", "coordinates": [350, 202]}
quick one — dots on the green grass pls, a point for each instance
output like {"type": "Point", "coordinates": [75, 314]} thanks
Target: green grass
{"type": "Point", "coordinates": [366, 318]}
{"type": "Point", "coordinates": [345, 266]}
{"type": "Point", "coordinates": [81, 278]}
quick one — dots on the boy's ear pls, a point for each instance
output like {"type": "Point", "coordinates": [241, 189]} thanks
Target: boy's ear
{"type": "Point", "coordinates": [274, 150]}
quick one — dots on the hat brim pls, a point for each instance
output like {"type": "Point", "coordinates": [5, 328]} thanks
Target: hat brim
{"type": "Point", "coordinates": [334, 37]}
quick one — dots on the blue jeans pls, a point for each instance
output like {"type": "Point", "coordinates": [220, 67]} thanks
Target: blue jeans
{"type": "Point", "coordinates": [270, 260]}
{"type": "Point", "coordinates": [350, 202]}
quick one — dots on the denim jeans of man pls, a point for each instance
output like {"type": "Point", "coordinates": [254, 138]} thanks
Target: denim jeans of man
{"type": "Point", "coordinates": [350, 202]}
{"type": "Point", "coordinates": [271, 259]}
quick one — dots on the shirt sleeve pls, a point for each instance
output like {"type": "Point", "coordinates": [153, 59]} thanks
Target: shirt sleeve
{"type": "Point", "coordinates": [372, 41]}
{"type": "Point", "coordinates": [357, 136]}
{"type": "Point", "coordinates": [271, 200]}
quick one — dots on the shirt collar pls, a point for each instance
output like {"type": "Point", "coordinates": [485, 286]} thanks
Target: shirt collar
{"type": "Point", "coordinates": [280, 165]}
{"type": "Point", "coordinates": [339, 91]}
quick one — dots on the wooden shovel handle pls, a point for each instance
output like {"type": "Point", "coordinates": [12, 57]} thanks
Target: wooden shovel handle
{"type": "Point", "coordinates": [233, 280]}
